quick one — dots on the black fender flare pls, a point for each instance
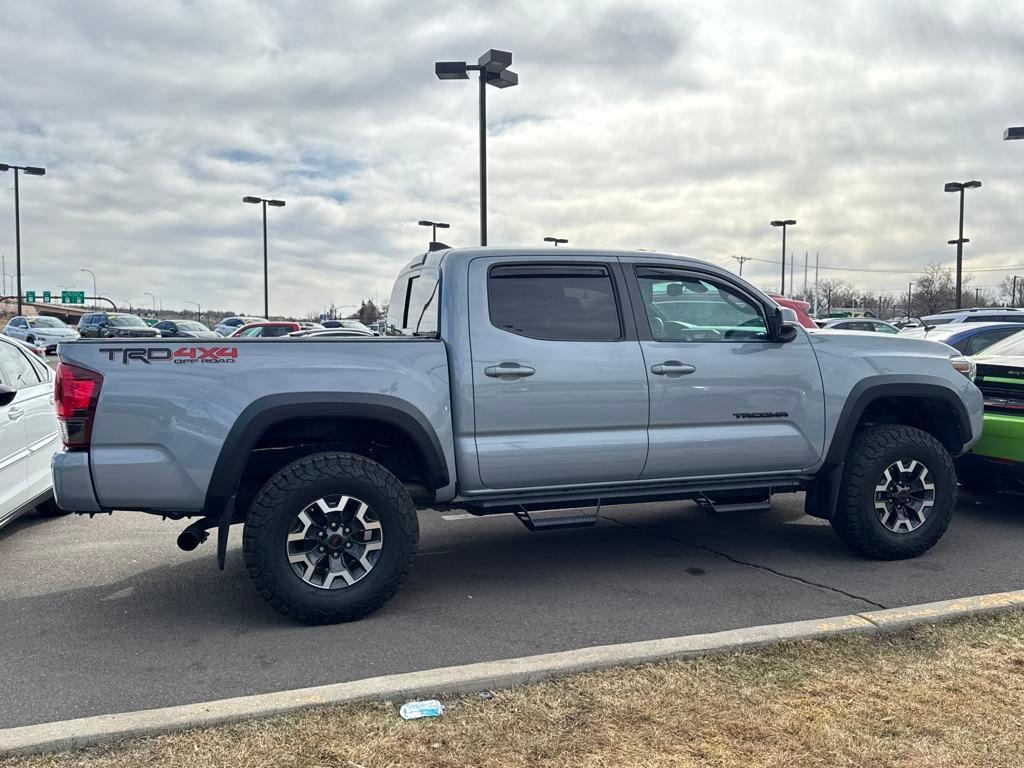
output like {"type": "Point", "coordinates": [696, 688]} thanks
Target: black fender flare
{"type": "Point", "coordinates": [264, 413]}
{"type": "Point", "coordinates": [823, 489]}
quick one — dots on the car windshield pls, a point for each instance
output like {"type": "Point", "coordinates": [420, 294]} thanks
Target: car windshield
{"type": "Point", "coordinates": [191, 325]}
{"type": "Point", "coordinates": [353, 324]}
{"type": "Point", "coordinates": [1012, 346]}
{"type": "Point", "coordinates": [126, 321]}
{"type": "Point", "coordinates": [45, 322]}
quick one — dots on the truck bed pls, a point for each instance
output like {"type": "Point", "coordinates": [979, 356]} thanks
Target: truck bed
{"type": "Point", "coordinates": [167, 408]}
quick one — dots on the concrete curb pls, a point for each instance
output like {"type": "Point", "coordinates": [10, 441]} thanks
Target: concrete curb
{"type": "Point", "coordinates": [483, 675]}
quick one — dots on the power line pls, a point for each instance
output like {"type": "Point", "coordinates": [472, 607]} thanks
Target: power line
{"type": "Point", "coordinates": [1005, 268]}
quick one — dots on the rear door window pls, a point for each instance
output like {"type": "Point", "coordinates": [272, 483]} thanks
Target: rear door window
{"type": "Point", "coordinates": [18, 371]}
{"type": "Point", "coordinates": [555, 302]}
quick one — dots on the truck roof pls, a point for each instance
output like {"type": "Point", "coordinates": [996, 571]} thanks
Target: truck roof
{"type": "Point", "coordinates": [435, 258]}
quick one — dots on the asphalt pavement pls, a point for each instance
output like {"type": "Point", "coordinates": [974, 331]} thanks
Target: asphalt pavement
{"type": "Point", "coordinates": [106, 615]}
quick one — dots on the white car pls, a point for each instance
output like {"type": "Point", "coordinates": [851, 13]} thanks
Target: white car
{"type": "Point", "coordinates": [28, 433]}
{"type": "Point", "coordinates": [46, 332]}
{"type": "Point", "coordinates": [229, 325]}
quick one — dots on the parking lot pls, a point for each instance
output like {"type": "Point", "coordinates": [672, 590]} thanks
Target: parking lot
{"type": "Point", "coordinates": [107, 615]}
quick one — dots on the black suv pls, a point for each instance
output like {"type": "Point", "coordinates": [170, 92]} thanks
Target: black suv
{"type": "Point", "coordinates": [115, 325]}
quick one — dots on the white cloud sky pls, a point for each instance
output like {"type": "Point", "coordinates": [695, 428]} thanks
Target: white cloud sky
{"type": "Point", "coordinates": [676, 126]}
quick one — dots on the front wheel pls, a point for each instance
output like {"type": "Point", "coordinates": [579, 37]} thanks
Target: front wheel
{"type": "Point", "coordinates": [897, 494]}
{"type": "Point", "coordinates": [330, 538]}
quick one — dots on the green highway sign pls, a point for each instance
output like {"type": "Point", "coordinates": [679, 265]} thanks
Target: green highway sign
{"type": "Point", "coordinates": [30, 296]}
{"type": "Point", "coordinates": [46, 296]}
{"type": "Point", "coordinates": [72, 297]}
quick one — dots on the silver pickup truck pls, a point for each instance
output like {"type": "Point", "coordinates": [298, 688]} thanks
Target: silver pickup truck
{"type": "Point", "coordinates": [513, 381]}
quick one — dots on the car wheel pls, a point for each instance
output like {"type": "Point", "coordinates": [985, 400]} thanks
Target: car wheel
{"type": "Point", "coordinates": [49, 508]}
{"type": "Point", "coordinates": [897, 494]}
{"type": "Point", "coordinates": [330, 538]}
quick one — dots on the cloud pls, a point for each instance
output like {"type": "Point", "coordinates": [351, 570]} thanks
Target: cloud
{"type": "Point", "coordinates": [684, 127]}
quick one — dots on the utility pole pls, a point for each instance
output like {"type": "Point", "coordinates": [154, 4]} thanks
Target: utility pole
{"type": "Point", "coordinates": [805, 275]}
{"type": "Point", "coordinates": [1013, 293]}
{"type": "Point", "coordinates": [742, 259]}
{"type": "Point", "coordinates": [910, 298]}
{"type": "Point", "coordinates": [977, 296]}
{"type": "Point", "coordinates": [816, 254]}
{"type": "Point", "coordinates": [791, 260]}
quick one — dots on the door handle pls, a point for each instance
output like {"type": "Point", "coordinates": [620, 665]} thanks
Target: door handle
{"type": "Point", "coordinates": [509, 371]}
{"type": "Point", "coordinates": [14, 413]}
{"type": "Point", "coordinates": [672, 368]}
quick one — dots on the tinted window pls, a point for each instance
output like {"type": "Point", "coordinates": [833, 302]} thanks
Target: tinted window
{"type": "Point", "coordinates": [163, 326]}
{"type": "Point", "coordinates": [1012, 346]}
{"type": "Point", "coordinates": [980, 341]}
{"type": "Point", "coordinates": [554, 302]}
{"type": "Point", "coordinates": [127, 321]}
{"type": "Point", "coordinates": [685, 307]}
{"type": "Point", "coordinates": [15, 368]}
{"type": "Point", "coordinates": [274, 330]}
{"type": "Point", "coordinates": [191, 325]}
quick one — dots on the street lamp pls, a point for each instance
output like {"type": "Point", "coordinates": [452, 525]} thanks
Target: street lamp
{"type": "Point", "coordinates": [265, 203]}
{"type": "Point", "coordinates": [1013, 133]}
{"type": "Point", "coordinates": [30, 170]}
{"type": "Point", "coordinates": [493, 69]}
{"type": "Point", "coordinates": [95, 293]}
{"type": "Point", "coordinates": [556, 240]}
{"type": "Point", "coordinates": [436, 225]}
{"type": "Point", "coordinates": [147, 293]}
{"type": "Point", "coordinates": [199, 309]}
{"type": "Point", "coordinates": [783, 223]}
{"type": "Point", "coordinates": [957, 186]}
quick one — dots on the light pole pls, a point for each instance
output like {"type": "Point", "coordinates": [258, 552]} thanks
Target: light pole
{"type": "Point", "coordinates": [556, 240]}
{"type": "Point", "coordinates": [493, 69]}
{"type": "Point", "coordinates": [910, 298]}
{"type": "Point", "coordinates": [95, 293]}
{"type": "Point", "coordinates": [1013, 293]}
{"type": "Point", "coordinates": [783, 223]}
{"type": "Point", "coordinates": [265, 203]}
{"type": "Point", "coordinates": [199, 309]}
{"type": "Point", "coordinates": [30, 170]}
{"type": "Point", "coordinates": [147, 293]}
{"type": "Point", "coordinates": [435, 225]}
{"type": "Point", "coordinates": [957, 186]}
{"type": "Point", "coordinates": [1013, 133]}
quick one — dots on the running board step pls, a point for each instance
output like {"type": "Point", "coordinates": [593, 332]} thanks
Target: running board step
{"type": "Point", "coordinates": [747, 504]}
{"type": "Point", "coordinates": [580, 520]}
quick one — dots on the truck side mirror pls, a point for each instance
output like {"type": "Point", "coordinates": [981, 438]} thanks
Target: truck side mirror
{"type": "Point", "coordinates": [779, 331]}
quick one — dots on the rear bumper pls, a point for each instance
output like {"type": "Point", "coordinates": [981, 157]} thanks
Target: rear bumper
{"type": "Point", "coordinates": [1002, 438]}
{"type": "Point", "coordinates": [72, 482]}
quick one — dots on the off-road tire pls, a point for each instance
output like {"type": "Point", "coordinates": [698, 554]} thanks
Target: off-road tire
{"type": "Point", "coordinates": [49, 508]}
{"type": "Point", "coordinates": [855, 520]}
{"type": "Point", "coordinates": [295, 487]}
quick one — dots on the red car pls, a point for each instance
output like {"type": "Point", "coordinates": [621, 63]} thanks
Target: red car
{"type": "Point", "coordinates": [800, 307]}
{"type": "Point", "coordinates": [265, 330]}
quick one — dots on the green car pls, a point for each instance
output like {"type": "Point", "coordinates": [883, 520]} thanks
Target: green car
{"type": "Point", "coordinates": [997, 459]}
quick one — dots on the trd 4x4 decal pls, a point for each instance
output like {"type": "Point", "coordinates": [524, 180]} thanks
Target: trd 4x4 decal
{"type": "Point", "coordinates": [181, 355]}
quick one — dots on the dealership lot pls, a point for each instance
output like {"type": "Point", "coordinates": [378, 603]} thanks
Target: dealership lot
{"type": "Point", "coordinates": [107, 615]}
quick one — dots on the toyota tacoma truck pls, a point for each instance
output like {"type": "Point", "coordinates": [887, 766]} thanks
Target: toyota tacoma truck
{"type": "Point", "coordinates": [513, 381]}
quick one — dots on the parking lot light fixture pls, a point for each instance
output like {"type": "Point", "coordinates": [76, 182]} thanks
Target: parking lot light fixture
{"type": "Point", "coordinates": [556, 240]}
{"type": "Point", "coordinates": [274, 203]}
{"type": "Point", "coordinates": [434, 225]}
{"type": "Point", "coordinates": [960, 186]}
{"type": "Point", "coordinates": [493, 67]}
{"type": "Point", "coordinates": [783, 223]}
{"type": "Point", "coordinates": [29, 170]}
{"type": "Point", "coordinates": [1013, 133]}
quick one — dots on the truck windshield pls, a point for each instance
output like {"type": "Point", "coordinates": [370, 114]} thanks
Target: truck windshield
{"type": "Point", "coordinates": [414, 302]}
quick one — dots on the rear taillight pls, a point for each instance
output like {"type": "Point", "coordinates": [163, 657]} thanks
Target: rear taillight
{"type": "Point", "coordinates": [75, 393]}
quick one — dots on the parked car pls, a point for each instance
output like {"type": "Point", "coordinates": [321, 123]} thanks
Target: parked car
{"type": "Point", "coordinates": [966, 338]}
{"type": "Point", "coordinates": [229, 325]}
{"type": "Point", "coordinates": [265, 330]}
{"type": "Point", "coordinates": [115, 325]}
{"type": "Point", "coordinates": [41, 331]}
{"type": "Point", "coordinates": [331, 333]}
{"type": "Point", "coordinates": [348, 323]}
{"type": "Point", "coordinates": [185, 329]}
{"type": "Point", "coordinates": [28, 433]}
{"type": "Point", "coordinates": [997, 459]}
{"type": "Point", "coordinates": [306, 325]}
{"type": "Point", "coordinates": [532, 379]}
{"type": "Point", "coordinates": [976, 315]}
{"type": "Point", "coordinates": [799, 309]}
{"type": "Point", "coordinates": [857, 324]}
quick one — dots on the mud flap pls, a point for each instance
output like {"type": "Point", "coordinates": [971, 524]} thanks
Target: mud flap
{"type": "Point", "coordinates": [223, 527]}
{"type": "Point", "coordinates": [823, 493]}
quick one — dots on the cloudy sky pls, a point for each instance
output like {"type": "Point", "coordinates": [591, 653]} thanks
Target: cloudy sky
{"type": "Point", "coordinates": [680, 126]}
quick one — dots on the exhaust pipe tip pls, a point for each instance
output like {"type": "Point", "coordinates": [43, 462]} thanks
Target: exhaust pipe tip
{"type": "Point", "coordinates": [191, 538]}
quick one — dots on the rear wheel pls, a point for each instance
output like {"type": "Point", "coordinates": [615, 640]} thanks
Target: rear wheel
{"type": "Point", "coordinates": [897, 494]}
{"type": "Point", "coordinates": [330, 538]}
